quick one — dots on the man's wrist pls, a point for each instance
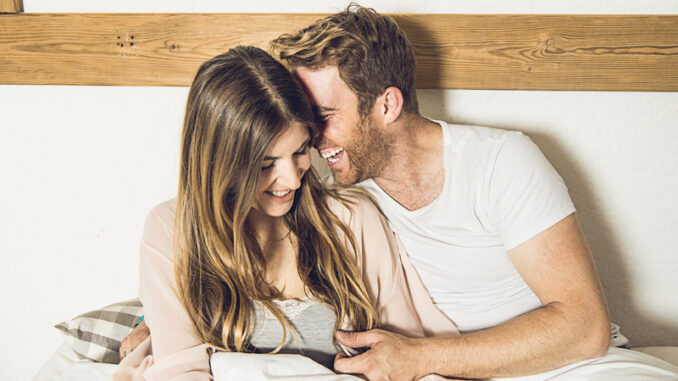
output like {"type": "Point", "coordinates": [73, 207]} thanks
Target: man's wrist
{"type": "Point", "coordinates": [435, 356]}
{"type": "Point", "coordinates": [427, 356]}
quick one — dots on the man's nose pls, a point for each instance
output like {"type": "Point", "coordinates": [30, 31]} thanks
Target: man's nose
{"type": "Point", "coordinates": [320, 141]}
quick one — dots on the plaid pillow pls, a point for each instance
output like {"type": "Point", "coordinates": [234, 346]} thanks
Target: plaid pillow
{"type": "Point", "coordinates": [96, 335]}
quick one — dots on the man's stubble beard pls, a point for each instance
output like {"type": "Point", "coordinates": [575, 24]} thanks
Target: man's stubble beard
{"type": "Point", "coordinates": [367, 156]}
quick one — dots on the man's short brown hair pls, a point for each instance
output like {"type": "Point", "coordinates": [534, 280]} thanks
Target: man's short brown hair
{"type": "Point", "coordinates": [370, 50]}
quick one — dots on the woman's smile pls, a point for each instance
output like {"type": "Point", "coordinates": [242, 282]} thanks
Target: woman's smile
{"type": "Point", "coordinates": [281, 196]}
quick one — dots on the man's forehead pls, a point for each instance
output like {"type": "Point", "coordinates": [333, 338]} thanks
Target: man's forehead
{"type": "Point", "coordinates": [323, 85]}
{"type": "Point", "coordinates": [317, 79]}
{"type": "Point", "coordinates": [326, 71]}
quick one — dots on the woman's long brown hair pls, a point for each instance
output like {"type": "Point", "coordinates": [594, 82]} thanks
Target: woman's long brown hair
{"type": "Point", "coordinates": [238, 104]}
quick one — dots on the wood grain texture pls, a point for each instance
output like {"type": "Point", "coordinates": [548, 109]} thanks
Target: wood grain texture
{"type": "Point", "coordinates": [11, 6]}
{"type": "Point", "coordinates": [516, 52]}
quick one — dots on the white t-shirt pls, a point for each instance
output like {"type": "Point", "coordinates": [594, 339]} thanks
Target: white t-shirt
{"type": "Point", "coordinates": [499, 192]}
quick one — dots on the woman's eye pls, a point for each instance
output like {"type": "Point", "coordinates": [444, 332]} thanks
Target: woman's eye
{"type": "Point", "coordinates": [268, 166]}
{"type": "Point", "coordinates": [302, 152]}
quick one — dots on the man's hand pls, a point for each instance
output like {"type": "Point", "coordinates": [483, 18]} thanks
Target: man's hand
{"type": "Point", "coordinates": [390, 356]}
{"type": "Point", "coordinates": [136, 337]}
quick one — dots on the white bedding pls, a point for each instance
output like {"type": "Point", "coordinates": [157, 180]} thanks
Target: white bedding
{"type": "Point", "coordinates": [64, 365]}
{"type": "Point", "coordinates": [619, 364]}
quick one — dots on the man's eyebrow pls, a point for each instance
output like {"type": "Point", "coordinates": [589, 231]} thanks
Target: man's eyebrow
{"type": "Point", "coordinates": [304, 144]}
{"type": "Point", "coordinates": [323, 110]}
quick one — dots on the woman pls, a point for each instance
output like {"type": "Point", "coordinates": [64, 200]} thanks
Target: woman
{"type": "Point", "coordinates": [255, 254]}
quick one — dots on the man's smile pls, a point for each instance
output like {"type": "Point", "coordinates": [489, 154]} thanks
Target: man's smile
{"type": "Point", "coordinates": [331, 154]}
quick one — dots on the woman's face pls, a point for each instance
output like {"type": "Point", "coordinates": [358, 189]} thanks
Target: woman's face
{"type": "Point", "coordinates": [286, 161]}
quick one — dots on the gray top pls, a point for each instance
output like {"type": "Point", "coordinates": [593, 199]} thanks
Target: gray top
{"type": "Point", "coordinates": [312, 321]}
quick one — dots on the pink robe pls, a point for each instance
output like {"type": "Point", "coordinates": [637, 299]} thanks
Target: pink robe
{"type": "Point", "coordinates": [394, 288]}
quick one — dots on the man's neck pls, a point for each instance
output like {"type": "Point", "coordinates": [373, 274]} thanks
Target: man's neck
{"type": "Point", "coordinates": [415, 175]}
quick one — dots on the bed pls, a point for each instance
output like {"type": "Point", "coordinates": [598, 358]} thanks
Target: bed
{"type": "Point", "coordinates": [66, 365]}
{"type": "Point", "coordinates": [92, 340]}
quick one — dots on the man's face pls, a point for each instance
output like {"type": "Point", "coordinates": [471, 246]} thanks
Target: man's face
{"type": "Point", "coordinates": [355, 149]}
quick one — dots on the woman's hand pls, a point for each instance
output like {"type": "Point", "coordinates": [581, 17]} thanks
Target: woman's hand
{"type": "Point", "coordinates": [138, 335]}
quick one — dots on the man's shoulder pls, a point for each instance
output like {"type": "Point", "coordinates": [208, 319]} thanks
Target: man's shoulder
{"type": "Point", "coordinates": [467, 133]}
{"type": "Point", "coordinates": [477, 148]}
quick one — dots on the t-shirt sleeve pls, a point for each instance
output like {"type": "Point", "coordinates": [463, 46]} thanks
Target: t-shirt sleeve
{"type": "Point", "coordinates": [526, 194]}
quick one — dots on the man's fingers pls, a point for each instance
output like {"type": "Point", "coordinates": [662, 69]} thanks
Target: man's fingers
{"type": "Point", "coordinates": [345, 364]}
{"type": "Point", "coordinates": [355, 339]}
{"type": "Point", "coordinates": [339, 356]}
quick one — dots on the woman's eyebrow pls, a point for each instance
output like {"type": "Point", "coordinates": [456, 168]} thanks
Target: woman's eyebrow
{"type": "Point", "coordinates": [304, 144]}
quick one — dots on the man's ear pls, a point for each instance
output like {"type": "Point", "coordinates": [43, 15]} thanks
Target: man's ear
{"type": "Point", "coordinates": [392, 104]}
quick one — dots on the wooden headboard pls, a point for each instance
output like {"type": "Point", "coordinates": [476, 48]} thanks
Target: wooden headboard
{"type": "Point", "coordinates": [453, 51]}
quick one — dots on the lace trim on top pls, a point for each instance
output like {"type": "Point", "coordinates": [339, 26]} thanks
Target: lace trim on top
{"type": "Point", "coordinates": [291, 308]}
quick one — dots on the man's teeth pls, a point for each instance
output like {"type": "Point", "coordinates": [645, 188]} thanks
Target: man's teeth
{"type": "Point", "coordinates": [280, 193]}
{"type": "Point", "coordinates": [329, 155]}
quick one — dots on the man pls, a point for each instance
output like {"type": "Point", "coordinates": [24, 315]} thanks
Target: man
{"type": "Point", "coordinates": [485, 219]}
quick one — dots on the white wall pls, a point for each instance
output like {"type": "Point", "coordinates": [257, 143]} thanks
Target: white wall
{"type": "Point", "coordinates": [82, 165]}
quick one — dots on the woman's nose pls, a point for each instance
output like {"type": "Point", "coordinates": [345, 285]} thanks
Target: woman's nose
{"type": "Point", "coordinates": [290, 175]}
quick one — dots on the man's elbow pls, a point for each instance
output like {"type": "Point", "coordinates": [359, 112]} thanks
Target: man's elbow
{"type": "Point", "coordinates": [596, 340]}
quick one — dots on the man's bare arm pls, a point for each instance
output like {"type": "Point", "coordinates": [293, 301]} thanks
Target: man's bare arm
{"type": "Point", "coordinates": [572, 325]}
